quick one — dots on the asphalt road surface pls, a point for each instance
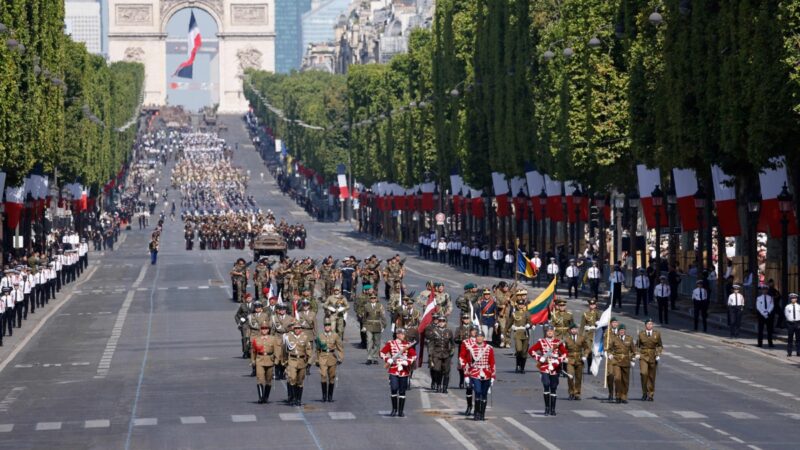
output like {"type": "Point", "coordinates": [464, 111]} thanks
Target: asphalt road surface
{"type": "Point", "coordinates": [148, 357]}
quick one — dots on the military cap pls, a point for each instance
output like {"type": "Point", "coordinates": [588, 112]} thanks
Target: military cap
{"type": "Point", "coordinates": [437, 284]}
{"type": "Point", "coordinates": [592, 301]}
{"type": "Point", "coordinates": [437, 316]}
{"type": "Point", "coordinates": [296, 325]}
{"type": "Point", "coordinates": [258, 305]}
{"type": "Point", "coordinates": [400, 330]}
{"type": "Point", "coordinates": [481, 333]}
{"type": "Point", "coordinates": [548, 327]}
{"type": "Point", "coordinates": [648, 320]}
{"type": "Point", "coordinates": [469, 286]}
{"type": "Point", "coordinates": [7, 289]}
{"type": "Point", "coordinates": [367, 286]}
{"type": "Point", "coordinates": [265, 325]}
{"type": "Point", "coordinates": [464, 316]}
{"type": "Point", "coordinates": [699, 282]}
{"type": "Point", "coordinates": [281, 306]}
{"type": "Point", "coordinates": [621, 326]}
{"type": "Point", "coordinates": [486, 291]}
{"type": "Point", "coordinates": [572, 325]}
{"type": "Point", "coordinates": [305, 302]}
{"type": "Point", "coordinates": [327, 322]}
{"type": "Point", "coordinates": [441, 317]}
{"type": "Point", "coordinates": [373, 295]}
{"type": "Point", "coordinates": [521, 292]}
{"type": "Point", "coordinates": [408, 300]}
{"type": "Point", "coordinates": [248, 296]}
{"type": "Point", "coordinates": [614, 319]}
{"type": "Point", "coordinates": [561, 302]}
{"type": "Point", "coordinates": [474, 327]}
{"type": "Point", "coordinates": [792, 295]}
{"type": "Point", "coordinates": [337, 288]}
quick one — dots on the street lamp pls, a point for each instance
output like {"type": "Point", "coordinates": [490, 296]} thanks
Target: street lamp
{"type": "Point", "coordinates": [672, 202]}
{"type": "Point", "coordinates": [543, 209]}
{"type": "Point", "coordinates": [658, 201]}
{"type": "Point", "coordinates": [655, 17]}
{"type": "Point", "coordinates": [785, 206]}
{"type": "Point", "coordinates": [600, 203]}
{"type": "Point", "coordinates": [619, 206]}
{"type": "Point", "coordinates": [699, 206]}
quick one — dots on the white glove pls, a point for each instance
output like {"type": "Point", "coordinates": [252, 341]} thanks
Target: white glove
{"type": "Point", "coordinates": [542, 359]}
{"type": "Point", "coordinates": [527, 326]}
{"type": "Point", "coordinates": [492, 382]}
{"type": "Point", "coordinates": [637, 357]}
{"type": "Point", "coordinates": [610, 356]}
{"type": "Point", "coordinates": [242, 319]}
{"type": "Point", "coordinates": [657, 358]}
{"type": "Point", "coordinates": [363, 329]}
{"type": "Point", "coordinates": [583, 358]}
{"type": "Point", "coordinates": [633, 364]}
{"type": "Point", "coordinates": [390, 361]}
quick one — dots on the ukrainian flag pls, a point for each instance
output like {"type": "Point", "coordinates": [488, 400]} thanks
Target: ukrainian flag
{"type": "Point", "coordinates": [539, 308]}
{"type": "Point", "coordinates": [524, 266]}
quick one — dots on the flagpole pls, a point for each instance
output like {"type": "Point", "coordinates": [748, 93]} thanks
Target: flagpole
{"type": "Point", "coordinates": [516, 259]}
{"type": "Point", "coordinates": [608, 339]}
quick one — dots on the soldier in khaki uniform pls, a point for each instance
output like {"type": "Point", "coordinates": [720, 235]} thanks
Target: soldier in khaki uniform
{"type": "Point", "coordinates": [393, 274]}
{"type": "Point", "coordinates": [622, 351]}
{"type": "Point", "coordinates": [408, 317]}
{"type": "Point", "coordinates": [360, 304]}
{"type": "Point", "coordinates": [589, 320]}
{"type": "Point", "coordinates": [610, 336]}
{"type": "Point", "coordinates": [518, 329]}
{"type": "Point", "coordinates": [298, 349]}
{"type": "Point", "coordinates": [441, 346]}
{"type": "Point", "coordinates": [371, 273]}
{"type": "Point", "coordinates": [261, 277]}
{"type": "Point", "coordinates": [442, 298]}
{"type": "Point", "coordinates": [307, 319]}
{"type": "Point", "coordinates": [561, 319]}
{"type": "Point", "coordinates": [469, 297]}
{"type": "Point", "coordinates": [374, 323]}
{"type": "Point", "coordinates": [307, 296]}
{"type": "Point", "coordinates": [335, 308]}
{"type": "Point", "coordinates": [650, 348]}
{"type": "Point", "coordinates": [254, 321]}
{"type": "Point", "coordinates": [578, 349]}
{"type": "Point", "coordinates": [266, 353]}
{"type": "Point", "coordinates": [330, 354]}
{"type": "Point", "coordinates": [245, 308]}
{"type": "Point", "coordinates": [281, 325]}
{"type": "Point", "coordinates": [462, 334]}
{"type": "Point", "coordinates": [239, 276]}
{"type": "Point", "coordinates": [327, 275]}
{"type": "Point", "coordinates": [505, 303]}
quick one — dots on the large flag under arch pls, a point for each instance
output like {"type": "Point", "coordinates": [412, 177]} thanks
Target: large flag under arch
{"type": "Point", "coordinates": [194, 41]}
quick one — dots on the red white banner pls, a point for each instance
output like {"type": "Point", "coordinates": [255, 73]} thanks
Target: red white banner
{"type": "Point", "coordinates": [725, 199]}
{"type": "Point", "coordinates": [685, 188]}
{"type": "Point", "coordinates": [648, 179]}
{"type": "Point", "coordinates": [555, 211]}
{"type": "Point", "coordinates": [772, 182]}
{"type": "Point", "coordinates": [535, 183]}
{"type": "Point", "coordinates": [15, 201]}
{"type": "Point", "coordinates": [501, 194]}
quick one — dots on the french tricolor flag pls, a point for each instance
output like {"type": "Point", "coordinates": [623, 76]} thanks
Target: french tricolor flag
{"type": "Point", "coordinates": [193, 45]}
{"type": "Point", "coordinates": [341, 180]}
{"type": "Point", "coordinates": [725, 199]}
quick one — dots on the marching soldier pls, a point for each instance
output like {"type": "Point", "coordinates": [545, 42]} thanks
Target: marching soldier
{"type": "Point", "coordinates": [610, 336]}
{"type": "Point", "coordinates": [622, 351]}
{"type": "Point", "coordinates": [327, 273]}
{"type": "Point", "coordinates": [462, 334]}
{"type": "Point", "coordinates": [264, 357]}
{"type": "Point", "coordinates": [578, 349]}
{"type": "Point", "coordinates": [443, 304]}
{"type": "Point", "coordinates": [477, 356]}
{"type": "Point", "coordinates": [371, 274]}
{"type": "Point", "coordinates": [298, 349]}
{"type": "Point", "coordinates": [361, 302]}
{"type": "Point", "coordinates": [307, 319]}
{"type": "Point", "coordinates": [561, 319]}
{"type": "Point", "coordinates": [254, 321]}
{"type": "Point", "coordinates": [408, 318]}
{"type": "Point", "coordinates": [441, 347]}
{"type": "Point", "coordinates": [468, 340]}
{"type": "Point", "coordinates": [466, 301]}
{"type": "Point", "coordinates": [330, 354]}
{"type": "Point", "coordinates": [487, 310]}
{"type": "Point", "coordinates": [261, 278]}
{"type": "Point", "coordinates": [650, 349]}
{"type": "Point", "coordinates": [503, 295]}
{"type": "Point", "coordinates": [550, 353]}
{"type": "Point", "coordinates": [281, 325]}
{"type": "Point", "coordinates": [336, 310]}
{"type": "Point", "coordinates": [399, 356]}
{"type": "Point", "coordinates": [519, 327]}
{"type": "Point", "coordinates": [393, 273]}
{"type": "Point", "coordinates": [240, 317]}
{"type": "Point", "coordinates": [589, 320]}
{"type": "Point", "coordinates": [239, 277]}
{"type": "Point", "coordinates": [374, 323]}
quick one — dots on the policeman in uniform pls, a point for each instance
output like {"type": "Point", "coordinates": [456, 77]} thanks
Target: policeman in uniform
{"type": "Point", "coordinates": [518, 328]}
{"type": "Point", "coordinates": [265, 355]}
{"type": "Point", "coordinates": [642, 285]}
{"type": "Point", "coordinates": [374, 323]}
{"type": "Point", "coordinates": [398, 356]}
{"type": "Point", "coordinates": [561, 319]}
{"type": "Point", "coordinates": [336, 310]}
{"type": "Point", "coordinates": [242, 313]}
{"type": "Point", "coordinates": [792, 315]}
{"type": "Point", "coordinates": [700, 303]}
{"type": "Point", "coordinates": [330, 354]}
{"type": "Point", "coordinates": [298, 349]}
{"type": "Point", "coordinates": [649, 352]}
{"type": "Point", "coordinates": [616, 279]}
{"type": "Point", "coordinates": [622, 351]}
{"type": "Point", "coordinates": [282, 324]}
{"type": "Point", "coordinates": [765, 306]}
{"type": "Point", "coordinates": [572, 275]}
{"type": "Point", "coordinates": [552, 270]}
{"type": "Point", "coordinates": [578, 349]}
{"type": "Point", "coordinates": [441, 347]}
{"type": "Point", "coordinates": [537, 261]}
{"type": "Point", "coordinates": [593, 274]}
{"type": "Point", "coordinates": [550, 353]}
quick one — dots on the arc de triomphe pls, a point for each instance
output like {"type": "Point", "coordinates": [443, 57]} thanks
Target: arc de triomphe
{"type": "Point", "coordinates": [246, 34]}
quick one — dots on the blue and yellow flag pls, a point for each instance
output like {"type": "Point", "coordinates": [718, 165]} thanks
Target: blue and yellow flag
{"type": "Point", "coordinates": [525, 267]}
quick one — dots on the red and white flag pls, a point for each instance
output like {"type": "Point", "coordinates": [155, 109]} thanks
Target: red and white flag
{"type": "Point", "coordinates": [427, 195]}
{"type": "Point", "coordinates": [15, 201]}
{"type": "Point", "coordinates": [341, 179]}
{"type": "Point", "coordinates": [570, 187]}
{"type": "Point", "coordinates": [194, 41]}
{"type": "Point", "coordinates": [648, 179]}
{"type": "Point", "coordinates": [427, 318]}
{"type": "Point", "coordinates": [725, 200]}
{"type": "Point", "coordinates": [555, 211]}
{"type": "Point", "coordinates": [535, 183]}
{"type": "Point", "coordinates": [501, 194]}
{"type": "Point", "coordinates": [685, 188]}
{"type": "Point", "coordinates": [772, 182]}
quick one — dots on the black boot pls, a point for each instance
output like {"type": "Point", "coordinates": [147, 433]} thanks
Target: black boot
{"type": "Point", "coordinates": [469, 406]}
{"type": "Point", "coordinates": [290, 400]}
{"type": "Point", "coordinates": [253, 371]}
{"type": "Point", "coordinates": [546, 403]}
{"type": "Point", "coordinates": [553, 398]}
{"type": "Point", "coordinates": [401, 403]}
{"type": "Point", "coordinates": [267, 389]}
{"type": "Point", "coordinates": [445, 382]}
{"type": "Point", "coordinates": [523, 360]}
{"type": "Point", "coordinates": [330, 392]}
{"type": "Point", "coordinates": [483, 409]}
{"type": "Point", "coordinates": [477, 415]}
{"type": "Point", "coordinates": [298, 396]}
{"type": "Point", "coordinates": [260, 393]}
{"type": "Point", "coordinates": [394, 406]}
{"type": "Point", "coordinates": [461, 379]}
{"type": "Point", "coordinates": [518, 367]}
{"type": "Point", "coordinates": [324, 392]}
{"type": "Point", "coordinates": [433, 380]}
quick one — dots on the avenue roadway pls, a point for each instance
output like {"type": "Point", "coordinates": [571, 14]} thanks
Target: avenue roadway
{"type": "Point", "coordinates": [148, 357]}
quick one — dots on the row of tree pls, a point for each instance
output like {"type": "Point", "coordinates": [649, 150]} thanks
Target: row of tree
{"type": "Point", "coordinates": [582, 89]}
{"type": "Point", "coordinates": [60, 106]}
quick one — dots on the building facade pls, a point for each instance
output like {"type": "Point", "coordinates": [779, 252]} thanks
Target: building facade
{"type": "Point", "coordinates": [83, 22]}
{"type": "Point", "coordinates": [320, 20]}
{"type": "Point", "coordinates": [289, 34]}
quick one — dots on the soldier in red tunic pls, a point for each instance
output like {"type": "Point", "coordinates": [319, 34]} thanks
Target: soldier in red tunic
{"type": "Point", "coordinates": [477, 358]}
{"type": "Point", "coordinates": [549, 353]}
{"type": "Point", "coordinates": [399, 355]}
{"type": "Point", "coordinates": [463, 369]}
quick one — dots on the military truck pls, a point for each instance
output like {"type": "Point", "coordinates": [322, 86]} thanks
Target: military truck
{"type": "Point", "coordinates": [266, 244]}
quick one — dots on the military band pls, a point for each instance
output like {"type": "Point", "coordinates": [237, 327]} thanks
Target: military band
{"type": "Point", "coordinates": [398, 356]}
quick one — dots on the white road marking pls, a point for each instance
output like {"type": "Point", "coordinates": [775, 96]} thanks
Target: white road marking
{"type": "Point", "coordinates": [45, 426]}
{"type": "Point", "coordinates": [193, 420]}
{"type": "Point", "coordinates": [456, 435]}
{"type": "Point", "coordinates": [183, 288]}
{"type": "Point", "coordinates": [202, 287]}
{"type": "Point", "coordinates": [532, 434]}
{"type": "Point", "coordinates": [754, 447]}
{"type": "Point", "coordinates": [588, 413]}
{"type": "Point", "coordinates": [740, 415]}
{"type": "Point", "coordinates": [145, 421]}
{"type": "Point", "coordinates": [735, 439]}
{"type": "Point", "coordinates": [534, 413]}
{"type": "Point", "coordinates": [640, 413]}
{"type": "Point", "coordinates": [243, 418]}
{"type": "Point", "coordinates": [23, 366]}
{"type": "Point", "coordinates": [341, 415]}
{"type": "Point", "coordinates": [162, 289]}
{"type": "Point", "coordinates": [99, 423]}
{"type": "Point", "coordinates": [794, 416]}
{"type": "Point", "coordinates": [11, 397]}
{"type": "Point", "coordinates": [141, 289]}
{"type": "Point", "coordinates": [6, 428]}
{"type": "Point", "coordinates": [724, 433]}
{"type": "Point", "coordinates": [291, 416]}
{"type": "Point", "coordinates": [690, 415]}
{"type": "Point", "coordinates": [111, 346]}
{"type": "Point", "coordinates": [140, 278]}
{"type": "Point", "coordinates": [425, 399]}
